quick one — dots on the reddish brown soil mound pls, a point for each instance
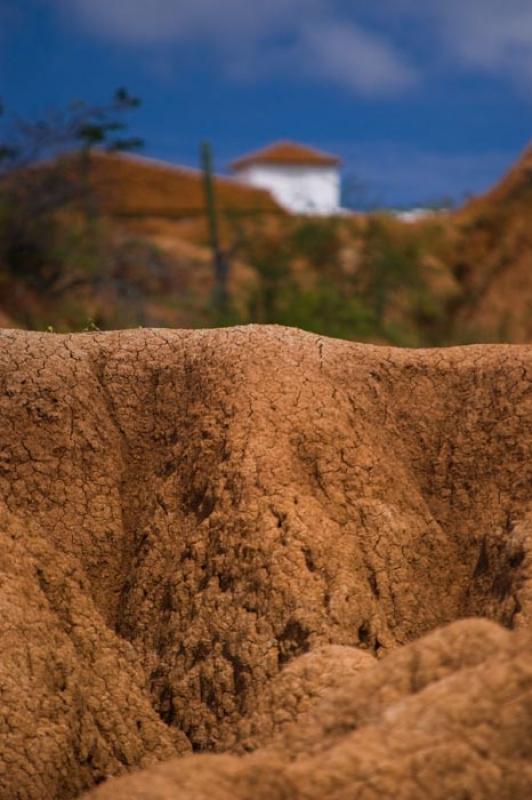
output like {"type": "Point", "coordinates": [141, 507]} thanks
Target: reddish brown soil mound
{"type": "Point", "coordinates": [210, 537]}
{"type": "Point", "coordinates": [446, 717]}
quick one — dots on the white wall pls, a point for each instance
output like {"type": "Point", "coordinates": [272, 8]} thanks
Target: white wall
{"type": "Point", "coordinates": [301, 189]}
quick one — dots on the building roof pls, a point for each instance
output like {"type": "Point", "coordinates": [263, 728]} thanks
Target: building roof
{"type": "Point", "coordinates": [288, 153]}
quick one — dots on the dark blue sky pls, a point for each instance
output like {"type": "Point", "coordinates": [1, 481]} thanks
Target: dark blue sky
{"type": "Point", "coordinates": [421, 100]}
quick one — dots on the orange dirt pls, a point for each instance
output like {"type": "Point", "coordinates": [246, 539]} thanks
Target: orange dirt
{"type": "Point", "coordinates": [263, 543]}
{"type": "Point", "coordinates": [129, 186]}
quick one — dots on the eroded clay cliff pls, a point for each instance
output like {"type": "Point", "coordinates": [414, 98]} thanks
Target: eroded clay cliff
{"type": "Point", "coordinates": [267, 544]}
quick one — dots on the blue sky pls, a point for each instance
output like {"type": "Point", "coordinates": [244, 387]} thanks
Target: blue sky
{"type": "Point", "coordinates": [420, 99]}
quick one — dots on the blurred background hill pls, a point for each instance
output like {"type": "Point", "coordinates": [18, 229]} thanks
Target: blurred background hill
{"type": "Point", "coordinates": [143, 257]}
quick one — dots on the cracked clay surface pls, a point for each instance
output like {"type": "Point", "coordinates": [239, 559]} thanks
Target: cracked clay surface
{"type": "Point", "coordinates": [255, 563]}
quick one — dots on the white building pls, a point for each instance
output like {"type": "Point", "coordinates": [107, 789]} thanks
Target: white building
{"type": "Point", "coordinates": [302, 179]}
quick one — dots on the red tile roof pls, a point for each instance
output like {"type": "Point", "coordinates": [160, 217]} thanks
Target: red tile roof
{"type": "Point", "coordinates": [287, 153]}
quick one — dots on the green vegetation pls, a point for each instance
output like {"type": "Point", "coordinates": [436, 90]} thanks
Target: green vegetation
{"type": "Point", "coordinates": [363, 278]}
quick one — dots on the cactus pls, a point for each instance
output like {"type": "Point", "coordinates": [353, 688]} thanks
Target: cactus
{"type": "Point", "coordinates": [220, 263]}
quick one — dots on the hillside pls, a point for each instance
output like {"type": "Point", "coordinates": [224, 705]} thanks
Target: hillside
{"type": "Point", "coordinates": [302, 565]}
{"type": "Point", "coordinates": [494, 258]}
{"type": "Point", "coordinates": [476, 271]}
{"type": "Point", "coordinates": [451, 278]}
{"type": "Point", "coordinates": [137, 187]}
